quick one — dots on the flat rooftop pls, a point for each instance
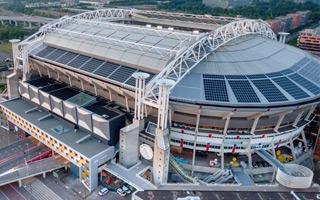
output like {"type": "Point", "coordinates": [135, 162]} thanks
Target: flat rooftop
{"type": "Point", "coordinates": [101, 108]}
{"type": "Point", "coordinates": [57, 128]}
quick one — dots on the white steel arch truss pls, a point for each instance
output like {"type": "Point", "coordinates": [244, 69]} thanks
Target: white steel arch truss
{"type": "Point", "coordinates": [31, 42]}
{"type": "Point", "coordinates": [185, 61]}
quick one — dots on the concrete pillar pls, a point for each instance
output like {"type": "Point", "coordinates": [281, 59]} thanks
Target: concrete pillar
{"type": "Point", "coordinates": [297, 119]}
{"type": "Point", "coordinates": [304, 139]}
{"type": "Point", "coordinates": [30, 25]}
{"type": "Point", "coordinates": [129, 143]}
{"type": "Point", "coordinates": [12, 85]}
{"type": "Point", "coordinates": [162, 145]}
{"type": "Point", "coordinates": [249, 155]}
{"type": "Point", "coordinates": [161, 157]}
{"type": "Point", "coordinates": [195, 141]}
{"type": "Point", "coordinates": [292, 149]}
{"type": "Point", "coordinates": [20, 183]}
{"type": "Point", "coordinates": [226, 125]}
{"type": "Point", "coordinates": [15, 52]}
{"type": "Point", "coordinates": [44, 175]}
{"type": "Point", "coordinates": [281, 117]}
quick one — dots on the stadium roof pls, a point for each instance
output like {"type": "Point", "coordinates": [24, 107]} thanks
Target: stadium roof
{"type": "Point", "coordinates": [238, 64]}
{"type": "Point", "coordinates": [252, 70]}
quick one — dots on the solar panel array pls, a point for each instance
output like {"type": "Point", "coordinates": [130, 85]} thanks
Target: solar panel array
{"type": "Point", "coordinates": [66, 58]}
{"type": "Point", "coordinates": [300, 64]}
{"type": "Point", "coordinates": [78, 61]}
{"type": "Point", "coordinates": [243, 91]}
{"type": "Point", "coordinates": [305, 83]}
{"type": "Point", "coordinates": [215, 86]}
{"type": "Point", "coordinates": [269, 90]}
{"type": "Point", "coordinates": [215, 90]}
{"type": "Point", "coordinates": [122, 74]}
{"type": "Point", "coordinates": [91, 65]}
{"type": "Point", "coordinates": [55, 54]}
{"type": "Point", "coordinates": [116, 72]}
{"type": "Point", "coordinates": [291, 88]}
{"type": "Point", "coordinates": [312, 71]}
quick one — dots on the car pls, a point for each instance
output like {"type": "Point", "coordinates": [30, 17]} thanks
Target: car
{"type": "Point", "coordinates": [126, 189]}
{"type": "Point", "coordinates": [121, 192]}
{"type": "Point", "coordinates": [103, 191]}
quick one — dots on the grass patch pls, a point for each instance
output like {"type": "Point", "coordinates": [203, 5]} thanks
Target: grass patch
{"type": "Point", "coordinates": [6, 48]}
{"type": "Point", "coordinates": [2, 87]}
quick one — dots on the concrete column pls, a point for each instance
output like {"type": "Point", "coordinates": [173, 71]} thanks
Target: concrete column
{"type": "Point", "coordinates": [20, 183]}
{"type": "Point", "coordinates": [195, 141]}
{"type": "Point", "coordinates": [304, 139]}
{"type": "Point", "coordinates": [292, 149]}
{"type": "Point", "coordinates": [127, 103]}
{"type": "Point", "coordinates": [129, 143]}
{"type": "Point", "coordinates": [81, 83]}
{"type": "Point", "coordinates": [226, 125]}
{"type": "Point", "coordinates": [30, 25]}
{"type": "Point", "coordinates": [48, 72]}
{"type": "Point", "coordinates": [297, 119]}
{"type": "Point", "coordinates": [310, 112]}
{"type": "Point", "coordinates": [44, 175]}
{"type": "Point", "coordinates": [15, 52]}
{"type": "Point", "coordinates": [162, 145]}
{"type": "Point", "coordinates": [281, 117]}
{"type": "Point", "coordinates": [249, 155]}
{"type": "Point", "coordinates": [110, 94]}
{"type": "Point", "coordinates": [12, 85]}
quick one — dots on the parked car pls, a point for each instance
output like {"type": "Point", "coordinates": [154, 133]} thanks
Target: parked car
{"type": "Point", "coordinates": [103, 191]}
{"type": "Point", "coordinates": [121, 192]}
{"type": "Point", "coordinates": [125, 188]}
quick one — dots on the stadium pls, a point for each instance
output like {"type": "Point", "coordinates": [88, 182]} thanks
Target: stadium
{"type": "Point", "coordinates": [188, 98]}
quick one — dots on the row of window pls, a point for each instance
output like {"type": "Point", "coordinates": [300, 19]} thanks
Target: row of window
{"type": "Point", "coordinates": [48, 140]}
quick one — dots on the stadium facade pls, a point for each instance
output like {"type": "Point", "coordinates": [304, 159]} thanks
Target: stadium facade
{"type": "Point", "coordinates": [93, 83]}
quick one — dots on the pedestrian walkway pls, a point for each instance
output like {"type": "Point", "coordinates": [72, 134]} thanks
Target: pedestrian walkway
{"type": "Point", "coordinates": [31, 170]}
{"type": "Point", "coordinates": [41, 192]}
{"type": "Point", "coordinates": [131, 175]}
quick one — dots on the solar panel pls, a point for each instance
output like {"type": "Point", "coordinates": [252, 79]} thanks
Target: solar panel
{"type": "Point", "coordinates": [286, 71]}
{"type": "Point", "coordinates": [291, 88]}
{"type": "Point", "coordinates": [106, 69]}
{"type": "Point", "coordinates": [213, 76]}
{"type": "Point", "coordinates": [45, 51]}
{"type": "Point", "coordinates": [131, 81]}
{"type": "Point", "coordinates": [56, 54]}
{"type": "Point", "coordinates": [78, 61]}
{"type": "Point", "coordinates": [311, 71]}
{"type": "Point", "coordinates": [66, 58]}
{"type": "Point", "coordinates": [243, 91]}
{"type": "Point", "coordinates": [305, 83]}
{"type": "Point", "coordinates": [256, 76]}
{"type": "Point", "coordinates": [91, 65]}
{"type": "Point", "coordinates": [274, 74]}
{"type": "Point", "coordinates": [300, 64]}
{"type": "Point", "coordinates": [122, 74]}
{"type": "Point", "coordinates": [236, 77]}
{"type": "Point", "coordinates": [269, 90]}
{"type": "Point", "coordinates": [215, 90]}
